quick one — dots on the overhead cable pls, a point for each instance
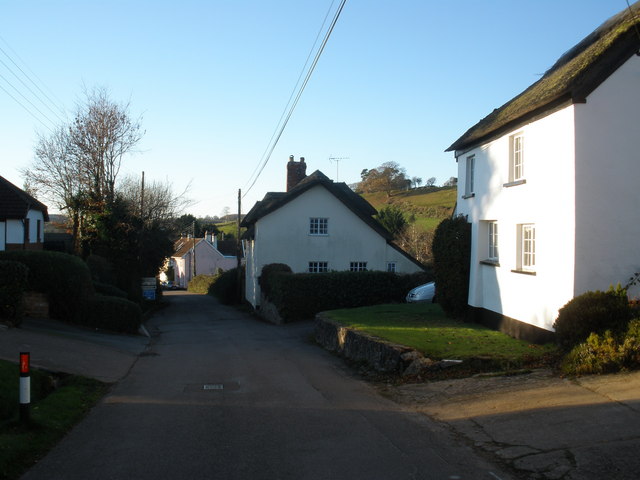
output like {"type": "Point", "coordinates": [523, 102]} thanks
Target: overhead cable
{"type": "Point", "coordinates": [299, 94]}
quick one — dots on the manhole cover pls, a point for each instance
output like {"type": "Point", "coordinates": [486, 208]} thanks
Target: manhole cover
{"type": "Point", "coordinates": [213, 387]}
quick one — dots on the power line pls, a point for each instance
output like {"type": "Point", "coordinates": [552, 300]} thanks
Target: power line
{"type": "Point", "coordinates": [299, 94]}
{"type": "Point", "coordinates": [27, 110]}
{"type": "Point", "coordinates": [29, 101]}
{"type": "Point", "coordinates": [293, 91]}
{"type": "Point", "coordinates": [56, 105]}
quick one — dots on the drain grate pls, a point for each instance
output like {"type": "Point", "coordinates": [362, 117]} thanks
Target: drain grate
{"type": "Point", "coordinates": [213, 386]}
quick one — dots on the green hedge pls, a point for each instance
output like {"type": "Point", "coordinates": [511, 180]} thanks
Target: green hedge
{"type": "Point", "coordinates": [225, 288]}
{"type": "Point", "coordinates": [302, 295]}
{"type": "Point", "coordinates": [113, 313]}
{"type": "Point", "coordinates": [13, 283]}
{"type": "Point", "coordinates": [64, 278]}
{"type": "Point", "coordinates": [201, 283]}
{"type": "Point", "coordinates": [451, 263]}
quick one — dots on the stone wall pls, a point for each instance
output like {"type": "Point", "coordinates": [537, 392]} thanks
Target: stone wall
{"type": "Point", "coordinates": [360, 347]}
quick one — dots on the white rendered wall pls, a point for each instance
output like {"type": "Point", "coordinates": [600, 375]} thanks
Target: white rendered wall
{"type": "Point", "coordinates": [33, 216]}
{"type": "Point", "coordinates": [208, 259]}
{"type": "Point", "coordinates": [283, 237]}
{"type": "Point", "coordinates": [608, 182]}
{"type": "Point", "coordinates": [15, 232]}
{"type": "Point", "coordinates": [546, 200]}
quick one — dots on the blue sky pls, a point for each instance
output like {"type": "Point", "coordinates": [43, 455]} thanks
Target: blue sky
{"type": "Point", "coordinates": [398, 81]}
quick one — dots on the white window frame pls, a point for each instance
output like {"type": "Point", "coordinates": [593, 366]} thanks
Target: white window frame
{"type": "Point", "coordinates": [516, 157]}
{"type": "Point", "coordinates": [318, 267]}
{"type": "Point", "coordinates": [493, 237]}
{"type": "Point", "coordinates": [318, 226]}
{"type": "Point", "coordinates": [469, 179]}
{"type": "Point", "coordinates": [358, 267]}
{"type": "Point", "coordinates": [392, 267]}
{"type": "Point", "coordinates": [527, 247]}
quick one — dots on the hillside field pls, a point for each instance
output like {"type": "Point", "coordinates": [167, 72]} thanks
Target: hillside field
{"type": "Point", "coordinates": [430, 205]}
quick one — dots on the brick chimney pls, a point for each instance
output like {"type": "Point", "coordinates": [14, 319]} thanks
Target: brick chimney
{"type": "Point", "coordinates": [296, 172]}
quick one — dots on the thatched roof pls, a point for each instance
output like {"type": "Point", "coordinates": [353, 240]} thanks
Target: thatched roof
{"type": "Point", "coordinates": [573, 77]}
{"type": "Point", "coordinates": [354, 202]}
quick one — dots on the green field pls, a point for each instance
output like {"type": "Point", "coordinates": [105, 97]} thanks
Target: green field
{"type": "Point", "coordinates": [428, 205]}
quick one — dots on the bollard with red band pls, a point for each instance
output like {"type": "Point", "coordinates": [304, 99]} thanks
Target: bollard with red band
{"type": "Point", "coordinates": [25, 386]}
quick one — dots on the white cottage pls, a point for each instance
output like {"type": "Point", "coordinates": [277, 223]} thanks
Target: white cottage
{"type": "Point", "coordinates": [317, 226]}
{"type": "Point", "coordinates": [22, 219]}
{"type": "Point", "coordinates": [549, 183]}
{"type": "Point", "coordinates": [201, 256]}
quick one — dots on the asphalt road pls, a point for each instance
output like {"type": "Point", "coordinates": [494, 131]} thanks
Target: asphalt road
{"type": "Point", "coordinates": [221, 395]}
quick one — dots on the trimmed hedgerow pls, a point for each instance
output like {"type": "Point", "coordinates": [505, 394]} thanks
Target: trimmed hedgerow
{"type": "Point", "coordinates": [264, 280]}
{"type": "Point", "coordinates": [201, 283]}
{"type": "Point", "coordinates": [302, 295]}
{"type": "Point", "coordinates": [451, 262]}
{"type": "Point", "coordinates": [13, 283]}
{"type": "Point", "coordinates": [64, 278]}
{"type": "Point", "coordinates": [113, 313]}
{"type": "Point", "coordinates": [592, 312]}
{"type": "Point", "coordinates": [109, 290]}
{"type": "Point", "coordinates": [226, 288]}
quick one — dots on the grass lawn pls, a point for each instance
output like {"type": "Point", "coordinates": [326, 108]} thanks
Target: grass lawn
{"type": "Point", "coordinates": [424, 327]}
{"type": "Point", "coordinates": [54, 410]}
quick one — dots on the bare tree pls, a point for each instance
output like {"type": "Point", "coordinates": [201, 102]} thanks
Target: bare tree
{"type": "Point", "coordinates": [161, 204]}
{"type": "Point", "coordinates": [416, 181]}
{"type": "Point", "coordinates": [101, 134]}
{"type": "Point", "coordinates": [431, 182]}
{"type": "Point", "coordinates": [55, 175]}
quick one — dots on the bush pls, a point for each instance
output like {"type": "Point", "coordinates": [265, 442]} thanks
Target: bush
{"type": "Point", "coordinates": [113, 313]}
{"type": "Point", "coordinates": [13, 283]}
{"type": "Point", "coordinates": [605, 353]}
{"type": "Point", "coordinates": [451, 263]}
{"type": "Point", "coordinates": [592, 312]}
{"type": "Point", "coordinates": [64, 278]}
{"type": "Point", "coordinates": [109, 290]}
{"type": "Point", "coordinates": [201, 283]}
{"type": "Point", "coordinates": [226, 287]}
{"type": "Point", "coordinates": [302, 295]}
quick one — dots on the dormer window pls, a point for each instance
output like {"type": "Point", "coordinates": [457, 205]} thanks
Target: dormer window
{"type": "Point", "coordinates": [318, 226]}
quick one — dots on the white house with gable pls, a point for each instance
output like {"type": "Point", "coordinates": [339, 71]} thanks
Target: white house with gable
{"type": "Point", "coordinates": [22, 219]}
{"type": "Point", "coordinates": [201, 256]}
{"type": "Point", "coordinates": [550, 185]}
{"type": "Point", "coordinates": [317, 226]}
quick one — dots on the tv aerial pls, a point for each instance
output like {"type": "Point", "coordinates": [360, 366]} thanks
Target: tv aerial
{"type": "Point", "coordinates": [337, 161]}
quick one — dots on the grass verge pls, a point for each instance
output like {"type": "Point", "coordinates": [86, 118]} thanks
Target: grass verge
{"type": "Point", "coordinates": [57, 404]}
{"type": "Point", "coordinates": [425, 327]}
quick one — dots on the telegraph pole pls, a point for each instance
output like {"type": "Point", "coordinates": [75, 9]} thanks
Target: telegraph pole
{"type": "Point", "coordinates": [238, 248]}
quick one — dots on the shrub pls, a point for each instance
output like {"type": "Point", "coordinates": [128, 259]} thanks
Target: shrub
{"type": "Point", "coordinates": [109, 290]}
{"type": "Point", "coordinates": [592, 312]}
{"type": "Point", "coordinates": [226, 287]}
{"type": "Point", "coordinates": [113, 313]}
{"type": "Point", "coordinates": [201, 283]}
{"type": "Point", "coordinates": [605, 353]}
{"type": "Point", "coordinates": [64, 278]}
{"type": "Point", "coordinates": [302, 295]}
{"type": "Point", "coordinates": [451, 263]}
{"type": "Point", "coordinates": [13, 283]}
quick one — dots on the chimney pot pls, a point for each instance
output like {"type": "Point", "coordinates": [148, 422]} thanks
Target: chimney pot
{"type": "Point", "coordinates": [291, 158]}
{"type": "Point", "coordinates": [302, 159]}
